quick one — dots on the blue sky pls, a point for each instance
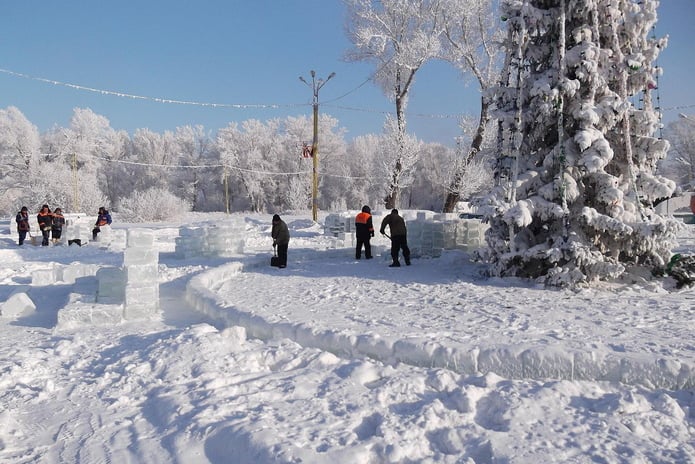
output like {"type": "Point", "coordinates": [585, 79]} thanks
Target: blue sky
{"type": "Point", "coordinates": [241, 52]}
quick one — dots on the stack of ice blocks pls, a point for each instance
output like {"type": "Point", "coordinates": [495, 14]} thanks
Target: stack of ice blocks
{"type": "Point", "coordinates": [141, 270]}
{"type": "Point", "coordinates": [222, 240]}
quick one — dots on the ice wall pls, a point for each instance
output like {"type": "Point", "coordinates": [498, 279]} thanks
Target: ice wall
{"type": "Point", "coordinates": [222, 240]}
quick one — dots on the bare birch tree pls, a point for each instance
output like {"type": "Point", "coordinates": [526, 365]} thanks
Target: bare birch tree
{"type": "Point", "coordinates": [399, 36]}
{"type": "Point", "coordinates": [472, 42]}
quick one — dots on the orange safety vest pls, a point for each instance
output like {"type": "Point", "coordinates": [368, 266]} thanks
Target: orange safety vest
{"type": "Point", "coordinates": [362, 218]}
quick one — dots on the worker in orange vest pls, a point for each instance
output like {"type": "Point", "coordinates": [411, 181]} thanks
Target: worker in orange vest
{"type": "Point", "coordinates": [364, 231]}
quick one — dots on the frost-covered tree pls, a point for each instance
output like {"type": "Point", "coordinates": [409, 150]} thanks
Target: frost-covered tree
{"type": "Point", "coordinates": [152, 204]}
{"type": "Point", "coordinates": [399, 36]}
{"type": "Point", "coordinates": [400, 149]}
{"type": "Point", "coordinates": [89, 143]}
{"type": "Point", "coordinates": [19, 153]}
{"type": "Point", "coordinates": [154, 158]}
{"type": "Point", "coordinates": [249, 154]}
{"type": "Point", "coordinates": [472, 42]}
{"type": "Point", "coordinates": [334, 173]}
{"type": "Point", "coordinates": [193, 149]}
{"type": "Point", "coordinates": [680, 162]}
{"type": "Point", "coordinates": [363, 161]}
{"type": "Point", "coordinates": [576, 202]}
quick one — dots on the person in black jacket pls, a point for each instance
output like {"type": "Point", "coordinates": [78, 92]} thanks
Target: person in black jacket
{"type": "Point", "coordinates": [399, 237]}
{"type": "Point", "coordinates": [23, 226]}
{"type": "Point", "coordinates": [364, 230]}
{"type": "Point", "coordinates": [45, 220]}
{"type": "Point", "coordinates": [281, 239]}
{"type": "Point", "coordinates": [57, 225]}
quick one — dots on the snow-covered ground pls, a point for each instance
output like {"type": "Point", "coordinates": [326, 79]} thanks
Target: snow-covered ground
{"type": "Point", "coordinates": [334, 360]}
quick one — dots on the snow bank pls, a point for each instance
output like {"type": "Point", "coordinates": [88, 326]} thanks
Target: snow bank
{"type": "Point", "coordinates": [511, 361]}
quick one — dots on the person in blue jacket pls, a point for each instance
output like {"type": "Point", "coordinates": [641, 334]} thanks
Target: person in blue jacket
{"type": "Point", "coordinates": [103, 219]}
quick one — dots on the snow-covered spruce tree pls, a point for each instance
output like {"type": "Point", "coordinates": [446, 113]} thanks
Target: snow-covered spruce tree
{"type": "Point", "coordinates": [577, 182]}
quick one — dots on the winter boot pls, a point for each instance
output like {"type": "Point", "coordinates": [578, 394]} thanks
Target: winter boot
{"type": "Point", "coordinates": [395, 264]}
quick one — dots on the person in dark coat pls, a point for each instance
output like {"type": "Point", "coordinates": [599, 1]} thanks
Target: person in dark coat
{"type": "Point", "coordinates": [364, 230]}
{"type": "Point", "coordinates": [103, 219]}
{"type": "Point", "coordinates": [57, 225]}
{"type": "Point", "coordinates": [281, 239]}
{"type": "Point", "coordinates": [399, 237]}
{"type": "Point", "coordinates": [45, 220]}
{"type": "Point", "coordinates": [23, 226]}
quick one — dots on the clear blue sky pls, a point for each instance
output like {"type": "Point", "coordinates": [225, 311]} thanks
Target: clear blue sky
{"type": "Point", "coordinates": [241, 52]}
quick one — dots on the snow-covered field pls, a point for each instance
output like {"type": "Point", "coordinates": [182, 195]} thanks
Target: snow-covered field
{"type": "Point", "coordinates": [334, 360]}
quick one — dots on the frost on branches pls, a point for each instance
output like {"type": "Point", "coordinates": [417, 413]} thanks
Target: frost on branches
{"type": "Point", "coordinates": [576, 183]}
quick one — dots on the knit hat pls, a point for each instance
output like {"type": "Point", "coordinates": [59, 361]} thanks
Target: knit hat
{"type": "Point", "coordinates": [394, 211]}
{"type": "Point", "coordinates": [276, 218]}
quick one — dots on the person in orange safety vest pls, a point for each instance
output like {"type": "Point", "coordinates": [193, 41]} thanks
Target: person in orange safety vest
{"type": "Point", "coordinates": [364, 231]}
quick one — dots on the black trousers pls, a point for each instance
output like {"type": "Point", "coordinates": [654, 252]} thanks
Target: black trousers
{"type": "Point", "coordinates": [282, 253]}
{"type": "Point", "coordinates": [398, 243]}
{"type": "Point", "coordinates": [22, 236]}
{"type": "Point", "coordinates": [362, 241]}
{"type": "Point", "coordinates": [46, 235]}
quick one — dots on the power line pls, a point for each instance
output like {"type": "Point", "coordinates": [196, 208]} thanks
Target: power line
{"type": "Point", "coordinates": [219, 165]}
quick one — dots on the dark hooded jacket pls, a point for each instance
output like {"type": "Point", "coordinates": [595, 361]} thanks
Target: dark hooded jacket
{"type": "Point", "coordinates": [396, 224]}
{"type": "Point", "coordinates": [280, 232]}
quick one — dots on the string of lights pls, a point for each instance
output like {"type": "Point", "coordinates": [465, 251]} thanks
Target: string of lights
{"type": "Point", "coordinates": [154, 99]}
{"type": "Point", "coordinates": [252, 106]}
{"type": "Point", "coordinates": [222, 105]}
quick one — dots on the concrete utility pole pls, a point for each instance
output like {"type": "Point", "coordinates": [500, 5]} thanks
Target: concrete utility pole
{"type": "Point", "coordinates": [315, 86]}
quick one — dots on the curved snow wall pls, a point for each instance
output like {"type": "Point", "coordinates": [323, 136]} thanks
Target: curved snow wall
{"type": "Point", "coordinates": [509, 361]}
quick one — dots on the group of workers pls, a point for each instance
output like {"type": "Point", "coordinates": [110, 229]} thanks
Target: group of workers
{"type": "Point", "coordinates": [51, 224]}
{"type": "Point", "coordinates": [364, 231]}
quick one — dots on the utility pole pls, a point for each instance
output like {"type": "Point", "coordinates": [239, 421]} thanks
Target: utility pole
{"type": "Point", "coordinates": [315, 86]}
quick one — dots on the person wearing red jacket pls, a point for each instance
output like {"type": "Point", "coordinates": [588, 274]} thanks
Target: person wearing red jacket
{"type": "Point", "coordinates": [364, 231]}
